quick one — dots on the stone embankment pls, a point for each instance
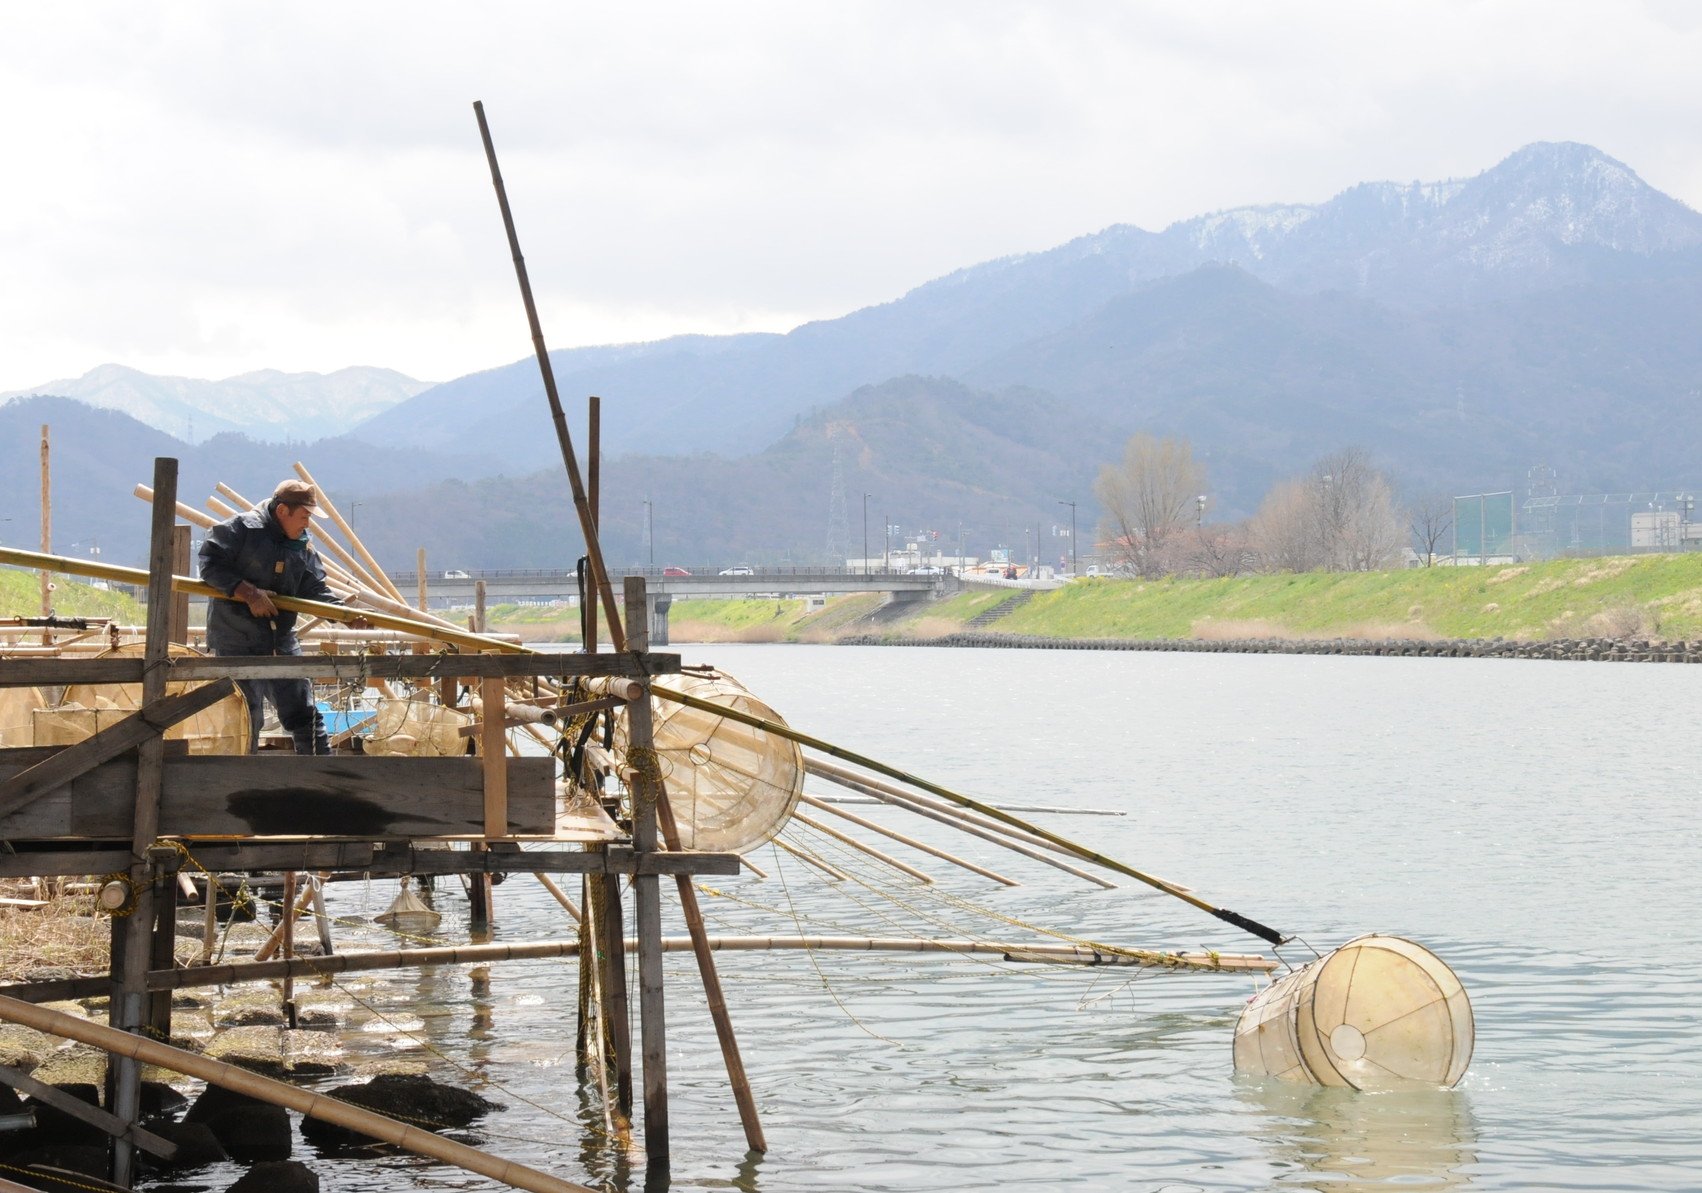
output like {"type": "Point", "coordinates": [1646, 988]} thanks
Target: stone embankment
{"type": "Point", "coordinates": [1594, 650]}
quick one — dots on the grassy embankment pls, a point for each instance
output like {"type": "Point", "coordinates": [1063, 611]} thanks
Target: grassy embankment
{"type": "Point", "coordinates": [1653, 596]}
{"type": "Point", "coordinates": [1641, 596]}
{"type": "Point", "coordinates": [20, 596]}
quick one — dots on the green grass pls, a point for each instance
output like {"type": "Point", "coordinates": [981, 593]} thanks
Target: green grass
{"type": "Point", "coordinates": [1657, 596]}
{"type": "Point", "coordinates": [20, 596]}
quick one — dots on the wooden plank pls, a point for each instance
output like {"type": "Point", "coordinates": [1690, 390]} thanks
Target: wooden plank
{"type": "Point", "coordinates": [148, 722]}
{"type": "Point", "coordinates": [93, 1115]}
{"type": "Point", "coordinates": [301, 796]}
{"type": "Point", "coordinates": [32, 672]}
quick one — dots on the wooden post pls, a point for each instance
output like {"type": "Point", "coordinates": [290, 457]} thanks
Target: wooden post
{"type": "Point", "coordinates": [616, 1009]}
{"type": "Point", "coordinates": [645, 784]}
{"type": "Point", "coordinates": [480, 625]}
{"type": "Point", "coordinates": [46, 536]}
{"type": "Point", "coordinates": [422, 576]}
{"type": "Point", "coordinates": [163, 955]}
{"type": "Point", "coordinates": [128, 1008]}
{"type": "Point", "coordinates": [493, 740]}
{"type": "Point", "coordinates": [209, 920]}
{"type": "Point", "coordinates": [593, 500]}
{"type": "Point", "coordinates": [287, 949]}
{"type": "Point", "coordinates": [180, 600]}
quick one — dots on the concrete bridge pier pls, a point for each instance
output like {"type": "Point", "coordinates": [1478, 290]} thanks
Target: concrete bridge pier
{"type": "Point", "coordinates": [656, 606]}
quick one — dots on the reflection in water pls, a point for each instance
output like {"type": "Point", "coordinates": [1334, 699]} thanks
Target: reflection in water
{"type": "Point", "coordinates": [1345, 1140]}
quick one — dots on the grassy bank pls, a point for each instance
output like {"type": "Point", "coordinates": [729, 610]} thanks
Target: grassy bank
{"type": "Point", "coordinates": [20, 596]}
{"type": "Point", "coordinates": [1654, 596]}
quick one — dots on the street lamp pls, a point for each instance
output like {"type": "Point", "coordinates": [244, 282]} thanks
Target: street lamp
{"type": "Point", "coordinates": [1072, 505]}
{"type": "Point", "coordinates": [1200, 511]}
{"type": "Point", "coordinates": [886, 544]}
{"type": "Point", "coordinates": [866, 497]}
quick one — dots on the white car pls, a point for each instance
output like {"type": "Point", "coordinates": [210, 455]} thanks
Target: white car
{"type": "Point", "coordinates": [741, 570]}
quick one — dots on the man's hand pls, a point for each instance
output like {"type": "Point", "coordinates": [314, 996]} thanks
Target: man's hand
{"type": "Point", "coordinates": [357, 622]}
{"type": "Point", "coordinates": [258, 600]}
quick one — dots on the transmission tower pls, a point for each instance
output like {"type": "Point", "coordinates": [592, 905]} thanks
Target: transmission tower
{"type": "Point", "coordinates": [838, 524]}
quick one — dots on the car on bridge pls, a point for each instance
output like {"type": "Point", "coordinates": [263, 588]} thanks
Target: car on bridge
{"type": "Point", "coordinates": [742, 569]}
{"type": "Point", "coordinates": [675, 572]}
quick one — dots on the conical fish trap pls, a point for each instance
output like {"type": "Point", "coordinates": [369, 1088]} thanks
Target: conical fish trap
{"type": "Point", "coordinates": [732, 787]}
{"type": "Point", "coordinates": [89, 708]}
{"type": "Point", "coordinates": [418, 728]}
{"type": "Point", "coordinates": [17, 714]}
{"type": "Point", "coordinates": [1378, 1013]}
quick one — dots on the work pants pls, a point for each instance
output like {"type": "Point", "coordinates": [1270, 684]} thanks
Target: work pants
{"type": "Point", "coordinates": [297, 712]}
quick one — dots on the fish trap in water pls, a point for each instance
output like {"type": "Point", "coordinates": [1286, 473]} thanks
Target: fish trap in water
{"type": "Point", "coordinates": [1378, 1013]}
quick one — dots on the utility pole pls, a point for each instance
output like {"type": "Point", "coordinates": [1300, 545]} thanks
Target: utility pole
{"type": "Point", "coordinates": [866, 497]}
{"type": "Point", "coordinates": [886, 544]}
{"type": "Point", "coordinates": [650, 528]}
{"type": "Point", "coordinates": [1074, 566]}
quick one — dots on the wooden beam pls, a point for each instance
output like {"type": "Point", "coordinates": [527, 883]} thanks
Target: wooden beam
{"type": "Point", "coordinates": [294, 796]}
{"type": "Point", "coordinates": [180, 565]}
{"type": "Point", "coordinates": [57, 1098]}
{"type": "Point", "coordinates": [493, 739]}
{"type": "Point", "coordinates": [148, 722]}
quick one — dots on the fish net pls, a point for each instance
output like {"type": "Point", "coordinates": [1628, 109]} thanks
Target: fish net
{"type": "Point", "coordinates": [87, 709]}
{"type": "Point", "coordinates": [731, 786]}
{"type": "Point", "coordinates": [1378, 1013]}
{"type": "Point", "coordinates": [17, 716]}
{"type": "Point", "coordinates": [417, 727]}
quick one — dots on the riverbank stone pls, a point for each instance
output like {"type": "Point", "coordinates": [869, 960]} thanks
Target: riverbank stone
{"type": "Point", "coordinates": [197, 1146]}
{"type": "Point", "coordinates": [280, 1176]}
{"type": "Point", "coordinates": [248, 1128]}
{"type": "Point", "coordinates": [416, 1100]}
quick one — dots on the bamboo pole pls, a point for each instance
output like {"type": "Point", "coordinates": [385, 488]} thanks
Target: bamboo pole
{"type": "Point", "coordinates": [293, 907]}
{"type": "Point", "coordinates": [378, 576]}
{"type": "Point", "coordinates": [874, 787]}
{"type": "Point", "coordinates": [560, 896]}
{"type": "Point", "coordinates": [124, 575]}
{"type": "Point", "coordinates": [1080, 851]}
{"type": "Point", "coordinates": [46, 534]}
{"type": "Point", "coordinates": [847, 839]}
{"type": "Point", "coordinates": [962, 826]}
{"type": "Point", "coordinates": [581, 501]}
{"type": "Point", "coordinates": [413, 1139]}
{"type": "Point", "coordinates": [902, 839]}
{"type": "Point", "coordinates": [420, 575]}
{"type": "Point", "coordinates": [742, 1096]}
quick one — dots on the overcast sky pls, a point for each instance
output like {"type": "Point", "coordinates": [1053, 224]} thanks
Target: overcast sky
{"type": "Point", "coordinates": [203, 189]}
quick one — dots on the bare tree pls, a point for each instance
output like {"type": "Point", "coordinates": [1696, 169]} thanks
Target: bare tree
{"type": "Point", "coordinates": [1340, 517]}
{"type": "Point", "coordinates": [1222, 550]}
{"type": "Point", "coordinates": [1431, 519]}
{"type": "Point", "coordinates": [1147, 499]}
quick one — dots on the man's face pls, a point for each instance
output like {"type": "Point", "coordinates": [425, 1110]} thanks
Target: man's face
{"type": "Point", "coordinates": [293, 519]}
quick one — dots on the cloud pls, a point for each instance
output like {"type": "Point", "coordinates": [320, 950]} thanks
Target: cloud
{"type": "Point", "coordinates": [207, 188]}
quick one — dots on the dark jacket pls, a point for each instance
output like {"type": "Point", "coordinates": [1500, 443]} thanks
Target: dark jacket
{"type": "Point", "coordinates": [253, 547]}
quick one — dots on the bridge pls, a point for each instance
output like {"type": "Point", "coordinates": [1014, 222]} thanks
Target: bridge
{"type": "Point", "coordinates": [456, 588]}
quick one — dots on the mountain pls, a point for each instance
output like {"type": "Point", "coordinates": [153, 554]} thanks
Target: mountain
{"type": "Point", "coordinates": [98, 457]}
{"type": "Point", "coordinates": [1548, 217]}
{"type": "Point", "coordinates": [265, 405]}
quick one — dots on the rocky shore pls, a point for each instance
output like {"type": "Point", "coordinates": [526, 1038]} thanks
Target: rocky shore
{"type": "Point", "coordinates": [1578, 650]}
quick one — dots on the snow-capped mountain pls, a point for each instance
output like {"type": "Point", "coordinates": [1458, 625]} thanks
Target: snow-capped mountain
{"type": "Point", "coordinates": [267, 405]}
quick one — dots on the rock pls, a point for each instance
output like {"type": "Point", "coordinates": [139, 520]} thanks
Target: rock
{"type": "Point", "coordinates": [158, 1099]}
{"type": "Point", "coordinates": [312, 1053]}
{"type": "Point", "coordinates": [197, 1145]}
{"type": "Point", "coordinates": [55, 1127]}
{"type": "Point", "coordinates": [24, 1047]}
{"type": "Point", "coordinates": [251, 1015]}
{"type": "Point", "coordinates": [258, 1048]}
{"type": "Point", "coordinates": [416, 1100]}
{"type": "Point", "coordinates": [248, 1128]}
{"type": "Point", "coordinates": [318, 1019]}
{"type": "Point", "coordinates": [286, 1176]}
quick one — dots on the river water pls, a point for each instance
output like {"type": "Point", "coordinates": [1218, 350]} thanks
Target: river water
{"type": "Point", "coordinates": [1534, 823]}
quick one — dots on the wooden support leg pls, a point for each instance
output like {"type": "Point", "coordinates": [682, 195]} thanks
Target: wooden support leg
{"type": "Point", "coordinates": [614, 990]}
{"type": "Point", "coordinates": [163, 955]}
{"type": "Point", "coordinates": [209, 921]}
{"type": "Point", "coordinates": [288, 946]}
{"type": "Point", "coordinates": [320, 919]}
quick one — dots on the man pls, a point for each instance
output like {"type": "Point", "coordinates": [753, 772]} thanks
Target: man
{"type": "Point", "coordinates": [252, 558]}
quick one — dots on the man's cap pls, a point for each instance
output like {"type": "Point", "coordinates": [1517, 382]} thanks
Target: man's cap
{"type": "Point", "coordinates": [297, 493]}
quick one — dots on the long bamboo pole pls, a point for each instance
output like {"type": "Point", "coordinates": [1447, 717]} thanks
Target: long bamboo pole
{"type": "Point", "coordinates": [581, 501]}
{"type": "Point", "coordinates": [325, 503]}
{"type": "Point", "coordinates": [848, 839]}
{"type": "Point", "coordinates": [233, 972]}
{"type": "Point", "coordinates": [124, 575]}
{"type": "Point", "coordinates": [904, 840]}
{"type": "Point", "coordinates": [413, 1139]}
{"type": "Point", "coordinates": [1081, 851]}
{"type": "Point", "coordinates": [962, 826]}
